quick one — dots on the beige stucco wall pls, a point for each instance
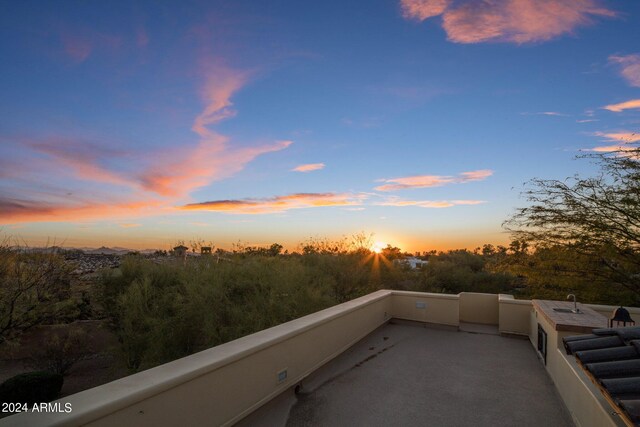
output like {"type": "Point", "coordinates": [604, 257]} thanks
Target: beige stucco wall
{"type": "Point", "coordinates": [478, 308]}
{"type": "Point", "coordinates": [514, 315]}
{"type": "Point", "coordinates": [223, 384]}
{"type": "Point", "coordinates": [438, 308]}
{"type": "Point", "coordinates": [585, 402]}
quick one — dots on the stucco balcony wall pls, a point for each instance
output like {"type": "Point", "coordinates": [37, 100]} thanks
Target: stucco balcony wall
{"type": "Point", "coordinates": [223, 384]}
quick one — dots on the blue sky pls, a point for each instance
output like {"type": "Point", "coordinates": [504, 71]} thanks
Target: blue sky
{"type": "Point", "coordinates": [142, 123]}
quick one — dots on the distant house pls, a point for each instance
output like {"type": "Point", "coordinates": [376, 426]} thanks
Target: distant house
{"type": "Point", "coordinates": [412, 262]}
{"type": "Point", "coordinates": [180, 251]}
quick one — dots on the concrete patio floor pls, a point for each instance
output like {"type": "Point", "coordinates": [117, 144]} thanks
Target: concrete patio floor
{"type": "Point", "coordinates": [413, 374]}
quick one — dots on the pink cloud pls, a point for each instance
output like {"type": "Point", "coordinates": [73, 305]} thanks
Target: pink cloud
{"type": "Point", "coordinates": [157, 178]}
{"type": "Point", "coordinates": [420, 181]}
{"type": "Point", "coordinates": [546, 113]}
{"type": "Point", "coordinates": [278, 204]}
{"type": "Point", "coordinates": [515, 21]}
{"type": "Point", "coordinates": [79, 158]}
{"type": "Point", "coordinates": [76, 47]}
{"type": "Point", "coordinates": [165, 172]}
{"type": "Point", "coordinates": [80, 42]}
{"type": "Point", "coordinates": [433, 204]}
{"type": "Point", "coordinates": [423, 9]}
{"type": "Point", "coordinates": [552, 113]}
{"type": "Point", "coordinates": [627, 105]}
{"type": "Point", "coordinates": [175, 173]}
{"type": "Point", "coordinates": [622, 143]}
{"type": "Point", "coordinates": [130, 225]}
{"type": "Point", "coordinates": [221, 84]}
{"type": "Point", "coordinates": [624, 137]}
{"type": "Point", "coordinates": [629, 67]}
{"type": "Point", "coordinates": [478, 175]}
{"type": "Point", "coordinates": [14, 210]}
{"type": "Point", "coordinates": [424, 181]}
{"type": "Point", "coordinates": [308, 167]}
{"type": "Point", "coordinates": [612, 148]}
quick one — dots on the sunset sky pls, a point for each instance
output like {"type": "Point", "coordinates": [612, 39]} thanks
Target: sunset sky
{"type": "Point", "coordinates": [139, 124]}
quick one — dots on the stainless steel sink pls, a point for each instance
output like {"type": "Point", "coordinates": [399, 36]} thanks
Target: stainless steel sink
{"type": "Point", "coordinates": [567, 310]}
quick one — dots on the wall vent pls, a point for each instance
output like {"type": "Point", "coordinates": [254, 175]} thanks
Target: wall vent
{"type": "Point", "coordinates": [282, 375]}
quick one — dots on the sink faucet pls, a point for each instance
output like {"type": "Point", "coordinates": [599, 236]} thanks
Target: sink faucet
{"type": "Point", "coordinates": [575, 304]}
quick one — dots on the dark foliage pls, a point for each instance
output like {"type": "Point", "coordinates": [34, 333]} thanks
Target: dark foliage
{"type": "Point", "coordinates": [34, 289]}
{"type": "Point", "coordinates": [31, 387]}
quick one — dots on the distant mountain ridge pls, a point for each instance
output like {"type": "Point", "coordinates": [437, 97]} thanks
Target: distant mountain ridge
{"type": "Point", "coordinates": [116, 250]}
{"type": "Point", "coordinates": [103, 250]}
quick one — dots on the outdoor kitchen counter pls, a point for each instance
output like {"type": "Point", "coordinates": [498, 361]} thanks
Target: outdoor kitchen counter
{"type": "Point", "coordinates": [583, 322]}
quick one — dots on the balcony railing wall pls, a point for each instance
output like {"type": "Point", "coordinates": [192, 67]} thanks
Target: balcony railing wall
{"type": "Point", "coordinates": [221, 385]}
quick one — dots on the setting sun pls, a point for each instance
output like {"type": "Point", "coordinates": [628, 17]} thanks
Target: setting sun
{"type": "Point", "coordinates": [377, 247]}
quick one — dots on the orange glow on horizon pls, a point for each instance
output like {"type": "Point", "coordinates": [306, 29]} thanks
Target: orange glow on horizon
{"type": "Point", "coordinates": [144, 234]}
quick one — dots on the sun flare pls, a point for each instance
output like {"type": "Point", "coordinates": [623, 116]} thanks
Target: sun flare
{"type": "Point", "coordinates": [377, 247]}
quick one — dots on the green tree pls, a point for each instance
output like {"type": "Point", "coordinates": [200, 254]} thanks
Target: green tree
{"type": "Point", "coordinates": [275, 249]}
{"type": "Point", "coordinates": [596, 218]}
{"type": "Point", "coordinates": [34, 289]}
{"type": "Point", "coordinates": [392, 252]}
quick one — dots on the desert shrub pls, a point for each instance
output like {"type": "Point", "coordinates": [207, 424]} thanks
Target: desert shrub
{"type": "Point", "coordinates": [161, 312]}
{"type": "Point", "coordinates": [550, 273]}
{"type": "Point", "coordinates": [463, 271]}
{"type": "Point", "coordinates": [34, 289]}
{"type": "Point", "coordinates": [166, 311]}
{"type": "Point", "coordinates": [31, 387]}
{"type": "Point", "coordinates": [345, 276]}
{"type": "Point", "coordinates": [132, 269]}
{"type": "Point", "coordinates": [63, 348]}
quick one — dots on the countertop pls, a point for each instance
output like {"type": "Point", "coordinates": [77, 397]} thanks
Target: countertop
{"type": "Point", "coordinates": [587, 320]}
